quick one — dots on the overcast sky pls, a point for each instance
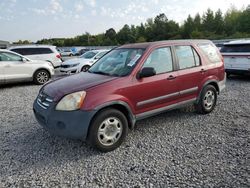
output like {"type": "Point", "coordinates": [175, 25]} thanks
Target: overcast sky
{"type": "Point", "coordinates": [37, 19]}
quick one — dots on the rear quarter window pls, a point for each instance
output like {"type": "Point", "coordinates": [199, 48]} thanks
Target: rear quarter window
{"type": "Point", "coordinates": [210, 51]}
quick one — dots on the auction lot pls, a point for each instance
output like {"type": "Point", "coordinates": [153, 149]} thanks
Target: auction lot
{"type": "Point", "coordinates": [177, 148]}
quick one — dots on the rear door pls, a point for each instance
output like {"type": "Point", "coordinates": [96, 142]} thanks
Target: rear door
{"type": "Point", "coordinates": [190, 73]}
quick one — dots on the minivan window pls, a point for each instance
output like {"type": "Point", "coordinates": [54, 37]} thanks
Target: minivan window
{"type": "Point", "coordinates": [32, 51]}
{"type": "Point", "coordinates": [241, 48]}
{"type": "Point", "coordinates": [210, 51]}
{"type": "Point", "coordinates": [118, 62]}
{"type": "Point", "coordinates": [187, 57]}
{"type": "Point", "coordinates": [161, 60]}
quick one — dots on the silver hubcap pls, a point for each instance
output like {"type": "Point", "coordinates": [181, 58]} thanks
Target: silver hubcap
{"type": "Point", "coordinates": [209, 99]}
{"type": "Point", "coordinates": [42, 77]}
{"type": "Point", "coordinates": [109, 132]}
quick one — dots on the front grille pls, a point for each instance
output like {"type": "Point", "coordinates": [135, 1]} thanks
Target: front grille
{"type": "Point", "coordinates": [44, 101]}
{"type": "Point", "coordinates": [68, 66]}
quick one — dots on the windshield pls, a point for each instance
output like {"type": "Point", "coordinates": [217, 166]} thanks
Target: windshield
{"type": "Point", "coordinates": [118, 62]}
{"type": "Point", "coordinates": [88, 55]}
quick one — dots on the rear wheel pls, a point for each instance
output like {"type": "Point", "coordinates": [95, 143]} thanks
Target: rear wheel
{"type": "Point", "coordinates": [108, 130]}
{"type": "Point", "coordinates": [41, 77]}
{"type": "Point", "coordinates": [85, 68]}
{"type": "Point", "coordinates": [207, 101]}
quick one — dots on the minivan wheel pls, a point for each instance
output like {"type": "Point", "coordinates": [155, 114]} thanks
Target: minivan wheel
{"type": "Point", "coordinates": [85, 68]}
{"type": "Point", "coordinates": [207, 101]}
{"type": "Point", "coordinates": [108, 130]}
{"type": "Point", "coordinates": [41, 77]}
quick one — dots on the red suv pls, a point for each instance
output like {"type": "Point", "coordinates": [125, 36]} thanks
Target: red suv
{"type": "Point", "coordinates": [130, 83]}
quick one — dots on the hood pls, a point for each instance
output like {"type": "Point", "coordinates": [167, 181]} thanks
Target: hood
{"type": "Point", "coordinates": [78, 82]}
{"type": "Point", "coordinates": [74, 61]}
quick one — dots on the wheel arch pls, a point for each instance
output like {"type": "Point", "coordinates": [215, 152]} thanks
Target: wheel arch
{"type": "Point", "coordinates": [122, 107]}
{"type": "Point", "coordinates": [214, 83]}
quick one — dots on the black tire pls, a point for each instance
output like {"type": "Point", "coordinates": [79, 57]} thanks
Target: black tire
{"type": "Point", "coordinates": [207, 101]}
{"type": "Point", "coordinates": [41, 77]}
{"type": "Point", "coordinates": [97, 135]}
{"type": "Point", "coordinates": [85, 68]}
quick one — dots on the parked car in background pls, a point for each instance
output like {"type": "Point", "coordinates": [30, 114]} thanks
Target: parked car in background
{"type": "Point", "coordinates": [82, 51]}
{"type": "Point", "coordinates": [236, 57]}
{"type": "Point", "coordinates": [17, 68]}
{"type": "Point", "coordinates": [39, 52]}
{"type": "Point", "coordinates": [130, 83]}
{"type": "Point", "coordinates": [66, 52]}
{"type": "Point", "coordinates": [82, 63]}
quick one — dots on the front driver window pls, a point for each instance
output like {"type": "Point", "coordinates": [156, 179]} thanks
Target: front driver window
{"type": "Point", "coordinates": [5, 56]}
{"type": "Point", "coordinates": [161, 60]}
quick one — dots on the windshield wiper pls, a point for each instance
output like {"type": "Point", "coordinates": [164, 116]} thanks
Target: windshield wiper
{"type": "Point", "coordinates": [100, 72]}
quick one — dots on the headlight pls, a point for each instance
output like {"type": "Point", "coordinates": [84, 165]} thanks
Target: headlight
{"type": "Point", "coordinates": [71, 102]}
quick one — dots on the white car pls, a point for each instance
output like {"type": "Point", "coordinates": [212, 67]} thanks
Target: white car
{"type": "Point", "coordinates": [40, 52]}
{"type": "Point", "coordinates": [17, 68]}
{"type": "Point", "coordinates": [236, 56]}
{"type": "Point", "coordinates": [82, 63]}
{"type": "Point", "coordinates": [66, 52]}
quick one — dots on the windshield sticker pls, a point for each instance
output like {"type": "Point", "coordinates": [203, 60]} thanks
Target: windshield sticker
{"type": "Point", "coordinates": [133, 61]}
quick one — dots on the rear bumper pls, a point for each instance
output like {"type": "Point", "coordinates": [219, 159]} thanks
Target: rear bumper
{"type": "Point", "coordinates": [73, 124]}
{"type": "Point", "coordinates": [222, 84]}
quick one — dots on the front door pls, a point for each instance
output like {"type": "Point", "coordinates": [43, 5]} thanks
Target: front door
{"type": "Point", "coordinates": [160, 90]}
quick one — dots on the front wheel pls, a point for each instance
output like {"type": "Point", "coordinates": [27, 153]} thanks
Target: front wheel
{"type": "Point", "coordinates": [41, 77]}
{"type": "Point", "coordinates": [85, 68]}
{"type": "Point", "coordinates": [207, 101]}
{"type": "Point", "coordinates": [108, 130]}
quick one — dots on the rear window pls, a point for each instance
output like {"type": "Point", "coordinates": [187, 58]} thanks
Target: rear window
{"type": "Point", "coordinates": [243, 48]}
{"type": "Point", "coordinates": [211, 52]}
{"type": "Point", "coordinates": [32, 51]}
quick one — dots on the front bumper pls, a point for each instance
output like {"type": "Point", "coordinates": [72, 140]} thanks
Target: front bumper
{"type": "Point", "coordinates": [68, 70]}
{"type": "Point", "coordinates": [73, 124]}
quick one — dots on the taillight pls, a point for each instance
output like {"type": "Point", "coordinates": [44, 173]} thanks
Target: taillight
{"type": "Point", "coordinates": [58, 56]}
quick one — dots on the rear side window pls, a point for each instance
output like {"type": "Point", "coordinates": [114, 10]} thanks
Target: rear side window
{"type": "Point", "coordinates": [161, 60]}
{"type": "Point", "coordinates": [210, 51]}
{"type": "Point", "coordinates": [187, 57]}
{"type": "Point", "coordinates": [33, 51]}
{"type": "Point", "coordinates": [243, 48]}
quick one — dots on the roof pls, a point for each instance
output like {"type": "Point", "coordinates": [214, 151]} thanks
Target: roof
{"type": "Point", "coordinates": [32, 46]}
{"type": "Point", "coordinates": [167, 42]}
{"type": "Point", "coordinates": [237, 42]}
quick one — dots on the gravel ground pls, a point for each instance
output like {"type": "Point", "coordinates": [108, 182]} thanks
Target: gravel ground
{"type": "Point", "coordinates": [174, 149]}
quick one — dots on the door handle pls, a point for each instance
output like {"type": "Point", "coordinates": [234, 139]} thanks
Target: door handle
{"type": "Point", "coordinates": [171, 77]}
{"type": "Point", "coordinates": [203, 71]}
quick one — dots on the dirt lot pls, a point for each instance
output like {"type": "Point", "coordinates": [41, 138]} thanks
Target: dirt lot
{"type": "Point", "coordinates": [176, 148]}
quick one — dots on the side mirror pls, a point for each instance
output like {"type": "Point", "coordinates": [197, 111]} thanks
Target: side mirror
{"type": "Point", "coordinates": [24, 59]}
{"type": "Point", "coordinates": [146, 72]}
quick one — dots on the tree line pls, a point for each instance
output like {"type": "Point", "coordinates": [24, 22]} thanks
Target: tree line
{"type": "Point", "coordinates": [210, 25]}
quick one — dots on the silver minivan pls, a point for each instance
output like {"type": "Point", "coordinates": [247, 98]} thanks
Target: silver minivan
{"type": "Point", "coordinates": [236, 56]}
